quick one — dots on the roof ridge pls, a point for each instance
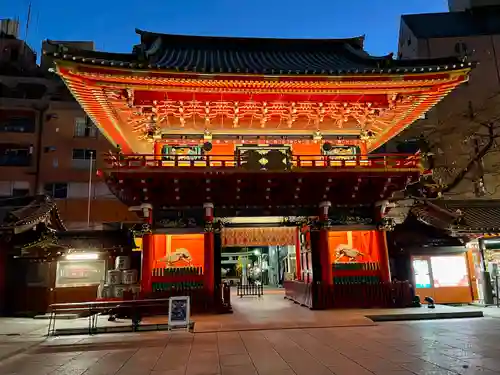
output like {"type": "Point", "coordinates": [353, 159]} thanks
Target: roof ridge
{"type": "Point", "coordinates": [357, 41]}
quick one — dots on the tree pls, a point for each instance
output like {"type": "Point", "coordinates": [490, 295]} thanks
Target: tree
{"type": "Point", "coordinates": [461, 147]}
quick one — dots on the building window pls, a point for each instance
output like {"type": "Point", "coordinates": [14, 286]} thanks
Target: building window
{"type": "Point", "coordinates": [461, 49]}
{"type": "Point", "coordinates": [57, 190]}
{"type": "Point", "coordinates": [5, 188]}
{"type": "Point", "coordinates": [20, 192]}
{"type": "Point", "coordinates": [14, 188]}
{"type": "Point", "coordinates": [17, 121]}
{"type": "Point", "coordinates": [84, 127]}
{"type": "Point", "coordinates": [83, 154]}
{"type": "Point", "coordinates": [14, 54]}
{"type": "Point", "coordinates": [78, 190]}
{"type": "Point", "coordinates": [12, 156]}
{"type": "Point", "coordinates": [101, 191]}
{"type": "Point", "coordinates": [82, 158]}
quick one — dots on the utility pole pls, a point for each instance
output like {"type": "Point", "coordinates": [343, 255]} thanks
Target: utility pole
{"type": "Point", "coordinates": [89, 202]}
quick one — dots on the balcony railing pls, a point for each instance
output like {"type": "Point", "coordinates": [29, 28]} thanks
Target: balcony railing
{"type": "Point", "coordinates": [15, 160]}
{"type": "Point", "coordinates": [117, 161]}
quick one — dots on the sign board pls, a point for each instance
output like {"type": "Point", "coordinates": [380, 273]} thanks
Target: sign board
{"type": "Point", "coordinates": [179, 311]}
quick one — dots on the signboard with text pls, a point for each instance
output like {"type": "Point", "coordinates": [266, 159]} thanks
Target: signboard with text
{"type": "Point", "coordinates": [179, 311]}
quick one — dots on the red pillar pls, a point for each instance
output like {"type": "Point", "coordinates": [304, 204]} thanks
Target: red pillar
{"type": "Point", "coordinates": [324, 249]}
{"type": "Point", "coordinates": [298, 256]}
{"type": "Point", "coordinates": [157, 150]}
{"type": "Point", "coordinates": [147, 263]}
{"type": "Point", "coordinates": [385, 267]}
{"type": "Point", "coordinates": [147, 250]}
{"type": "Point", "coordinates": [209, 256]}
{"type": "Point", "coordinates": [363, 150]}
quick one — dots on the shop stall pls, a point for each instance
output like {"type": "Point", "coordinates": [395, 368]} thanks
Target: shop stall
{"type": "Point", "coordinates": [466, 221]}
{"type": "Point", "coordinates": [447, 276]}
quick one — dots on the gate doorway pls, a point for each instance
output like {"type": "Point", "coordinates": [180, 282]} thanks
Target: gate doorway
{"type": "Point", "coordinates": [258, 255]}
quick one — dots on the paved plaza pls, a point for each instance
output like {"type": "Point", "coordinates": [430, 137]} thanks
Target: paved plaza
{"type": "Point", "coordinates": [463, 346]}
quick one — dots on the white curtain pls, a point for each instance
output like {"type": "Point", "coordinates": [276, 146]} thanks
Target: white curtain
{"type": "Point", "coordinates": [5, 188]}
{"type": "Point", "coordinates": [21, 185]}
{"type": "Point", "coordinates": [101, 191]}
{"type": "Point", "coordinates": [78, 190]}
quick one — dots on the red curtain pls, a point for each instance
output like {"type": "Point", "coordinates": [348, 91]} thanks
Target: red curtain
{"type": "Point", "coordinates": [160, 249]}
{"type": "Point", "coordinates": [368, 242]}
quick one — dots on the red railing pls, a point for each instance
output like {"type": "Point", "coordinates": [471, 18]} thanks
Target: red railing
{"type": "Point", "coordinates": [291, 162]}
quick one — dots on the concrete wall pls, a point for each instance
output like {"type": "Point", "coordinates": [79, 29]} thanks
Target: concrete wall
{"type": "Point", "coordinates": [461, 5]}
{"type": "Point", "coordinates": [453, 126]}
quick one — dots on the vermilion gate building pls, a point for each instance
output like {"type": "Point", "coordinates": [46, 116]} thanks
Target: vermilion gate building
{"type": "Point", "coordinates": [209, 128]}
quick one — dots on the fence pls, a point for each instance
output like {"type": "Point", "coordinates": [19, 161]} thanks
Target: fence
{"type": "Point", "coordinates": [249, 290]}
{"type": "Point", "coordinates": [354, 295]}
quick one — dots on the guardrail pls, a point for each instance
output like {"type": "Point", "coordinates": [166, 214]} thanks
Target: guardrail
{"type": "Point", "coordinates": [289, 162]}
{"type": "Point", "coordinates": [249, 290]}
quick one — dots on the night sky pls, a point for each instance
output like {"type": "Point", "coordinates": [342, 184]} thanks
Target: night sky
{"type": "Point", "coordinates": [111, 23]}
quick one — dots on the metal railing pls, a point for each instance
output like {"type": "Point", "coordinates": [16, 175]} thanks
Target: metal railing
{"type": "Point", "coordinates": [290, 162]}
{"type": "Point", "coordinates": [249, 290]}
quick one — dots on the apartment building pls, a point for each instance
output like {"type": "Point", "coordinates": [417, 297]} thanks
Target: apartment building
{"type": "Point", "coordinates": [471, 30]}
{"type": "Point", "coordinates": [47, 144]}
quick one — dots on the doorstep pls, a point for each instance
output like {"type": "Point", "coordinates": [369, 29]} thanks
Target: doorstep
{"type": "Point", "coordinates": [424, 313]}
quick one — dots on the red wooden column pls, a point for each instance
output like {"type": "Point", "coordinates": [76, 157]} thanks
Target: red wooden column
{"type": "Point", "coordinates": [363, 150]}
{"type": "Point", "coordinates": [298, 256]}
{"type": "Point", "coordinates": [157, 150]}
{"type": "Point", "coordinates": [385, 267]}
{"type": "Point", "coordinates": [209, 256]}
{"type": "Point", "coordinates": [324, 249]}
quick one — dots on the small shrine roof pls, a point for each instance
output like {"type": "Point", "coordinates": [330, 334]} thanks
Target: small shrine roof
{"type": "Point", "coordinates": [465, 217]}
{"type": "Point", "coordinates": [20, 214]}
{"type": "Point", "coordinates": [96, 239]}
{"type": "Point", "coordinates": [203, 54]}
{"type": "Point", "coordinates": [415, 234]}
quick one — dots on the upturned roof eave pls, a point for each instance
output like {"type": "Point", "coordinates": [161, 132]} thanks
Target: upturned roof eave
{"type": "Point", "coordinates": [136, 65]}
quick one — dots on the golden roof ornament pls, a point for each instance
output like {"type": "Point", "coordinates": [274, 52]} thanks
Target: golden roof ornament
{"type": "Point", "coordinates": [366, 135]}
{"type": "Point", "coordinates": [207, 136]}
{"type": "Point", "coordinates": [317, 136]}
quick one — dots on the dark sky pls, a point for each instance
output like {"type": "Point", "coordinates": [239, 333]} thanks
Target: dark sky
{"type": "Point", "coordinates": [111, 23]}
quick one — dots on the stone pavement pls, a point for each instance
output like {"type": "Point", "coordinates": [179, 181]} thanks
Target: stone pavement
{"type": "Point", "coordinates": [272, 311]}
{"type": "Point", "coordinates": [465, 346]}
{"type": "Point", "coordinates": [18, 335]}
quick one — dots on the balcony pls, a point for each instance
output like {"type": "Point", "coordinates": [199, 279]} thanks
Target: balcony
{"type": "Point", "coordinates": [15, 161]}
{"type": "Point", "coordinates": [242, 163]}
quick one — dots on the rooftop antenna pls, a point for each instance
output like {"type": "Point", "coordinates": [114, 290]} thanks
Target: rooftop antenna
{"type": "Point", "coordinates": [28, 19]}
